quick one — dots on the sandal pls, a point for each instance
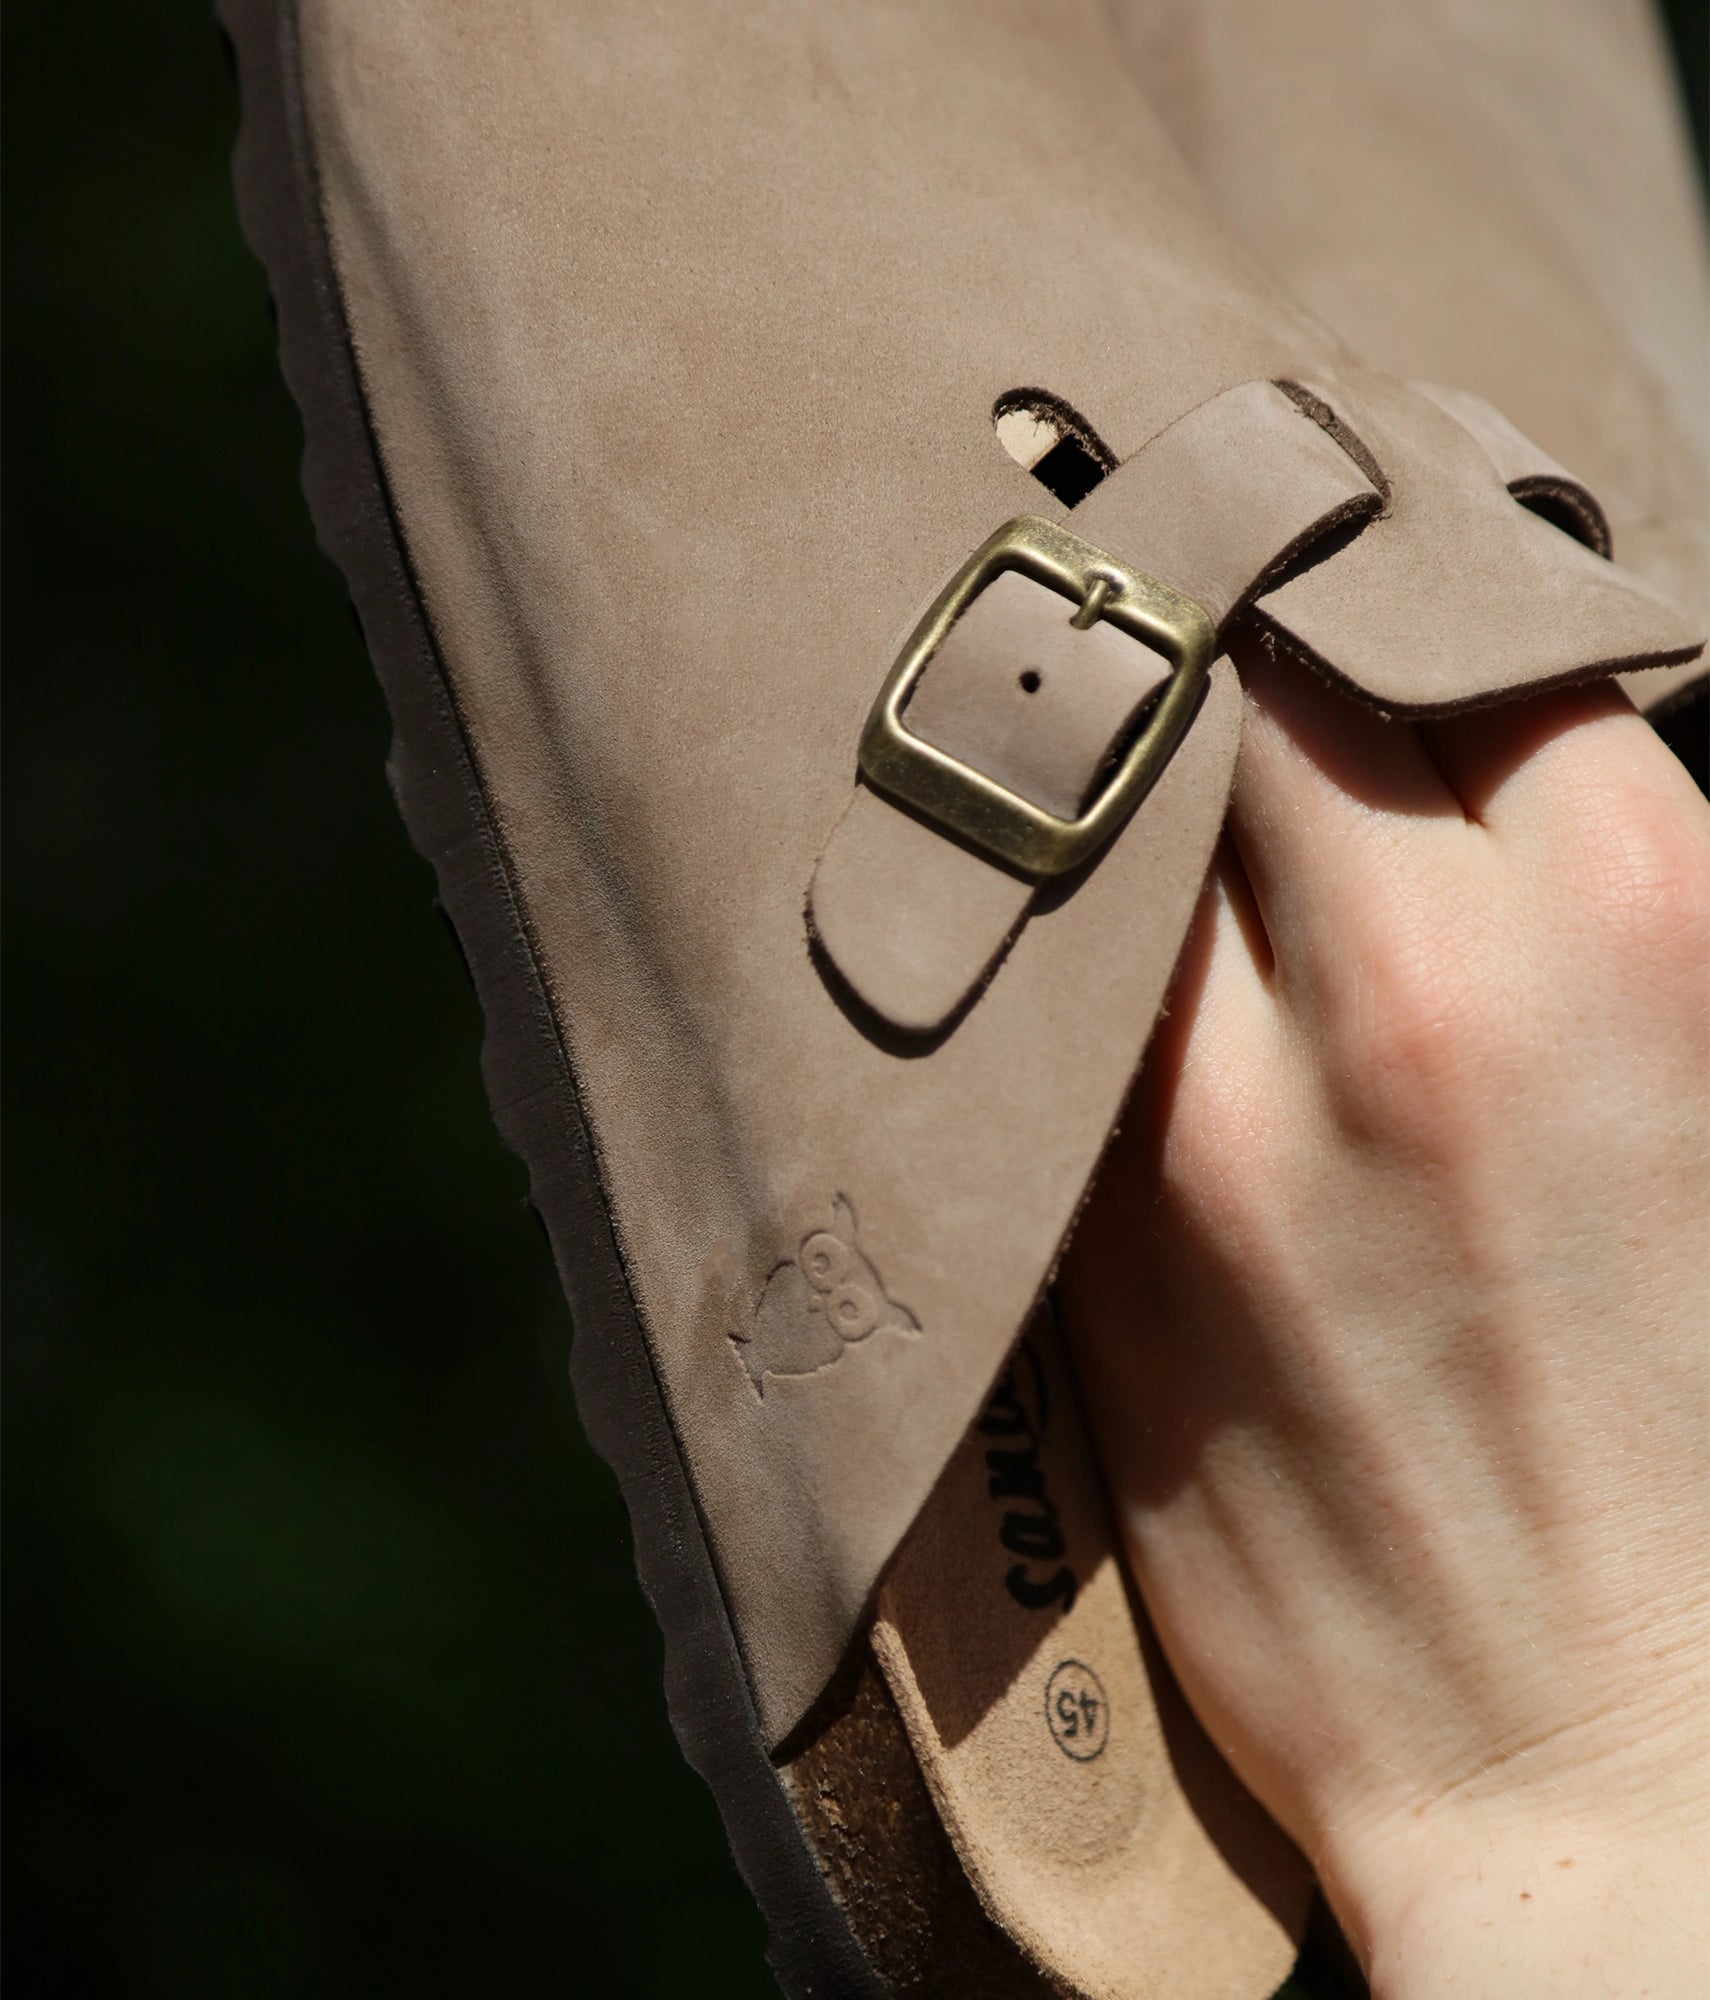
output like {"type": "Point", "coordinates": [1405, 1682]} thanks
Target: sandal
{"type": "Point", "coordinates": [793, 493]}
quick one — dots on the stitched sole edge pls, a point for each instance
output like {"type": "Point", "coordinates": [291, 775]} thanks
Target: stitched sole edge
{"type": "Point", "coordinates": [528, 1077]}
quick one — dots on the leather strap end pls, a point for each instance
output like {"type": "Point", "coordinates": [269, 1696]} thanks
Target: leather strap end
{"type": "Point", "coordinates": [912, 923]}
{"type": "Point", "coordinates": [1482, 579]}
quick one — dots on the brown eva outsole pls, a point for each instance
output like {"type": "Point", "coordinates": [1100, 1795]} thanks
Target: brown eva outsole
{"type": "Point", "coordinates": [861, 1891]}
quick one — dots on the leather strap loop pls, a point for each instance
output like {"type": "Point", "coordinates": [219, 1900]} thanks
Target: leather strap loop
{"type": "Point", "coordinates": [1226, 497]}
{"type": "Point", "coordinates": [914, 922]}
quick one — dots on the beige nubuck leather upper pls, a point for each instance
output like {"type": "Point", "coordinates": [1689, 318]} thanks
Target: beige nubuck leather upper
{"type": "Point", "coordinates": [682, 329]}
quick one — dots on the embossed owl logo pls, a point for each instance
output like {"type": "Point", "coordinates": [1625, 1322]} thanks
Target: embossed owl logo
{"type": "Point", "coordinates": [818, 1302]}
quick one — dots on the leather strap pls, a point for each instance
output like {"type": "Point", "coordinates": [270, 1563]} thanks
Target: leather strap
{"type": "Point", "coordinates": [1457, 595]}
{"type": "Point", "coordinates": [912, 921]}
{"type": "Point", "coordinates": [1530, 474]}
{"type": "Point", "coordinates": [1668, 553]}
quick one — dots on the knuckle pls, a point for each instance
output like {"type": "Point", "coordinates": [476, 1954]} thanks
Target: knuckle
{"type": "Point", "coordinates": [1417, 1036]}
{"type": "Point", "coordinates": [1453, 1003]}
{"type": "Point", "coordinates": [1641, 886]}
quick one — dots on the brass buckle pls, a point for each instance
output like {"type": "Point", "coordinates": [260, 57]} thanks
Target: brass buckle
{"type": "Point", "coordinates": [984, 813]}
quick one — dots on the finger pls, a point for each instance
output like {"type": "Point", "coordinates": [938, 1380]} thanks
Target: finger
{"type": "Point", "coordinates": [1528, 765]}
{"type": "Point", "coordinates": [1219, 1008]}
{"type": "Point", "coordinates": [1220, 1025]}
{"type": "Point", "coordinates": [1221, 994]}
{"type": "Point", "coordinates": [1338, 816]}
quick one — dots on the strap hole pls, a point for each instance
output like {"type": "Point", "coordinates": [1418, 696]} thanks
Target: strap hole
{"type": "Point", "coordinates": [1069, 470]}
{"type": "Point", "coordinates": [1052, 441]}
{"type": "Point", "coordinates": [1030, 681]}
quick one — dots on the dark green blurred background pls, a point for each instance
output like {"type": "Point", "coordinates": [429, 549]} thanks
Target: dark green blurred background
{"type": "Point", "coordinates": [328, 1670]}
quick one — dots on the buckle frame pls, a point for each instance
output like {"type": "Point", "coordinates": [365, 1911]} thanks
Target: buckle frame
{"type": "Point", "coordinates": [980, 811]}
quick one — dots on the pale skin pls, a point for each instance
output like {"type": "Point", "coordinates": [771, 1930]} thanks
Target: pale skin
{"type": "Point", "coordinates": [1393, 1312]}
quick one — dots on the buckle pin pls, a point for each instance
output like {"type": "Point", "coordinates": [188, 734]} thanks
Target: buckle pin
{"type": "Point", "coordinates": [1092, 605]}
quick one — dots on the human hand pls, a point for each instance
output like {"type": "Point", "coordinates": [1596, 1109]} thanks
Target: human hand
{"type": "Point", "coordinates": [1390, 1309]}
